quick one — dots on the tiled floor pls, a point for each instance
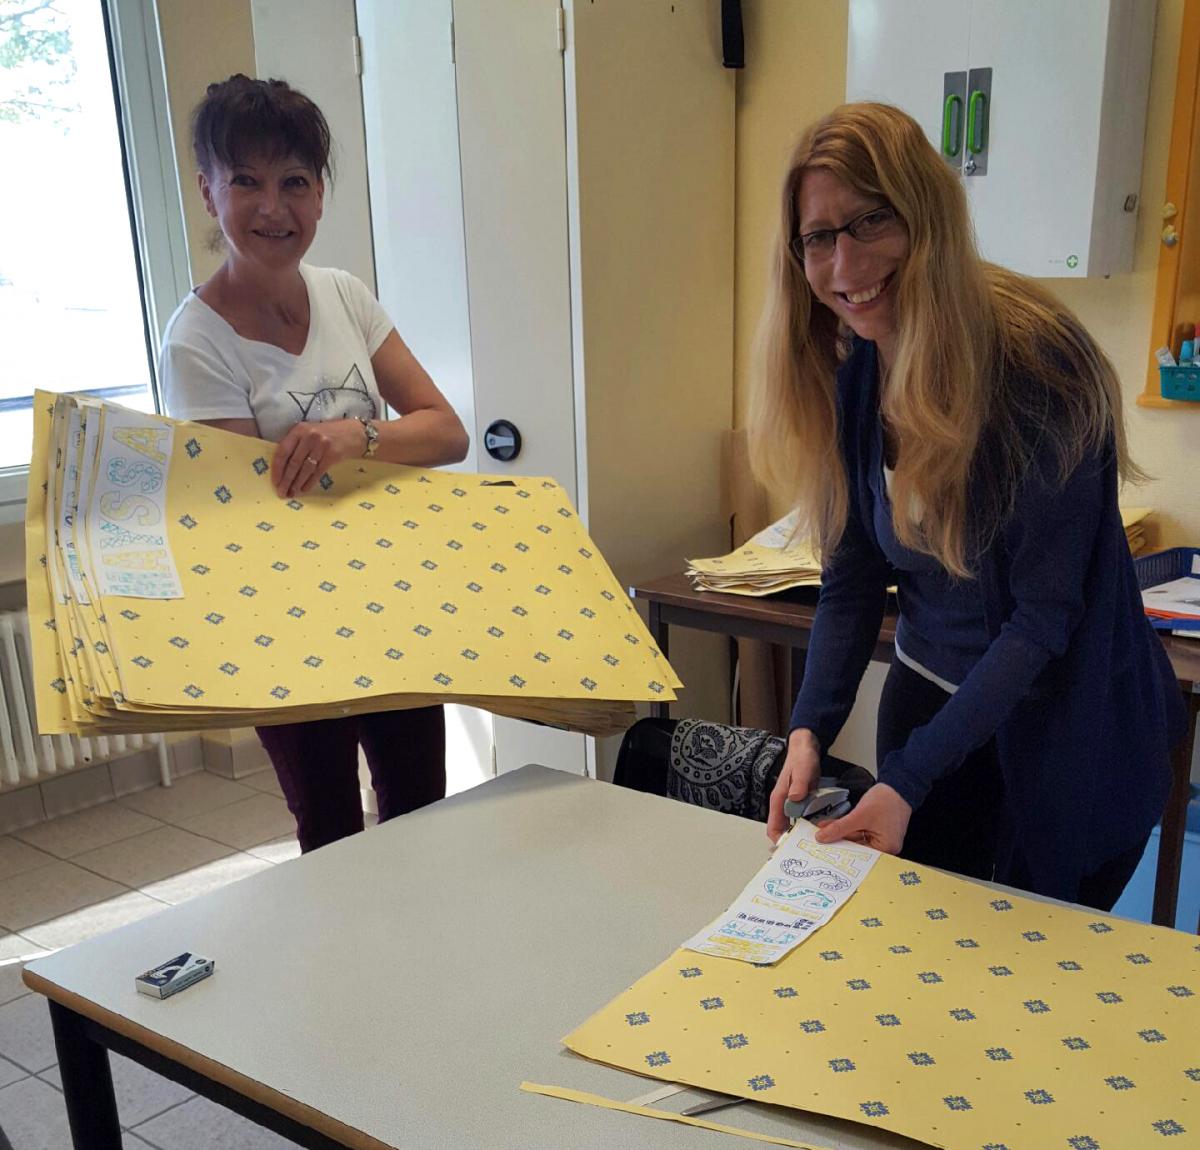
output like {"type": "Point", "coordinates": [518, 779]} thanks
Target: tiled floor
{"type": "Point", "coordinates": [74, 877]}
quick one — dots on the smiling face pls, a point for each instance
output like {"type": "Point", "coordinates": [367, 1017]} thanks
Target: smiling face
{"type": "Point", "coordinates": [267, 208]}
{"type": "Point", "coordinates": [857, 281]}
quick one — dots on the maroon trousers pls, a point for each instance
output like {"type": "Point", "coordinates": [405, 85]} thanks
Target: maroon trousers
{"type": "Point", "coordinates": [317, 766]}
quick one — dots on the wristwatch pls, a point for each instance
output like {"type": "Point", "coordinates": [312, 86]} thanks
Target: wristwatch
{"type": "Point", "coordinates": [372, 433]}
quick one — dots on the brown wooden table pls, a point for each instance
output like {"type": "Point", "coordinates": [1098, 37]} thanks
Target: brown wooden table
{"type": "Point", "coordinates": [787, 622]}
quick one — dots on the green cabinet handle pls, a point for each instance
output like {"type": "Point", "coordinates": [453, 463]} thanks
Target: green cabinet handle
{"type": "Point", "coordinates": [977, 123]}
{"type": "Point", "coordinates": [952, 125]}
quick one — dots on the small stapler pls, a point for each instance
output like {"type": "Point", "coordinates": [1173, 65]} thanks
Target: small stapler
{"type": "Point", "coordinates": [828, 801]}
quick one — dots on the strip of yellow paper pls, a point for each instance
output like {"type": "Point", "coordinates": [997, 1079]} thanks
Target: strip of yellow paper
{"type": "Point", "coordinates": [938, 1009]}
{"type": "Point", "coordinates": [650, 1112]}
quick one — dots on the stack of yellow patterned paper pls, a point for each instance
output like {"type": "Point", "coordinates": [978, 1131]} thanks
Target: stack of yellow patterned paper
{"type": "Point", "coordinates": [936, 1008]}
{"type": "Point", "coordinates": [170, 588]}
{"type": "Point", "coordinates": [774, 560]}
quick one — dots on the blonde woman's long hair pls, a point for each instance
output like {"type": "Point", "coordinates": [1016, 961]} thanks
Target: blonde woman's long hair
{"type": "Point", "coordinates": [979, 350]}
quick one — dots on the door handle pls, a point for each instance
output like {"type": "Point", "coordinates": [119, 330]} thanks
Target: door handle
{"type": "Point", "coordinates": [977, 123]}
{"type": "Point", "coordinates": [952, 125]}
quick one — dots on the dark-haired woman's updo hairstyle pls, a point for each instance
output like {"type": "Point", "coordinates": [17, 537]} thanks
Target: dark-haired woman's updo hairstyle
{"type": "Point", "coordinates": [242, 118]}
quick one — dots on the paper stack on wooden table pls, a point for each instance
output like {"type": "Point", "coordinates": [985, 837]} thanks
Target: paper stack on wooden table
{"type": "Point", "coordinates": [773, 560]}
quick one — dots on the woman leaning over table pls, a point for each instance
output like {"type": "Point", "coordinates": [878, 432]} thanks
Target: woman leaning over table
{"type": "Point", "coordinates": [949, 427]}
{"type": "Point", "coordinates": [304, 356]}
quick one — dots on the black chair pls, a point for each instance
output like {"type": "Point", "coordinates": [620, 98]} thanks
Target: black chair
{"type": "Point", "coordinates": [644, 762]}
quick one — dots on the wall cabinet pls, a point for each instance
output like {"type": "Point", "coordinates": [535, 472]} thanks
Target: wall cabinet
{"type": "Point", "coordinates": [1039, 104]}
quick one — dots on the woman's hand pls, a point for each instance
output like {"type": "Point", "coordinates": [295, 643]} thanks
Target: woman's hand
{"type": "Point", "coordinates": [797, 778]}
{"type": "Point", "coordinates": [311, 449]}
{"type": "Point", "coordinates": [880, 820]}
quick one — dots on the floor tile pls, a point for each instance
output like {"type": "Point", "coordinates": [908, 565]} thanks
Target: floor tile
{"type": "Point", "coordinates": [17, 857]}
{"type": "Point", "coordinates": [203, 1125]}
{"type": "Point", "coordinates": [141, 1094]}
{"type": "Point", "coordinates": [277, 850]}
{"type": "Point", "coordinates": [35, 1116]}
{"type": "Point", "coordinates": [201, 880]}
{"type": "Point", "coordinates": [157, 854]}
{"type": "Point", "coordinates": [187, 797]}
{"type": "Point", "coordinates": [25, 1036]}
{"type": "Point", "coordinates": [86, 830]}
{"type": "Point", "coordinates": [98, 918]}
{"type": "Point", "coordinates": [50, 891]}
{"type": "Point", "coordinates": [244, 824]}
{"type": "Point", "coordinates": [11, 1072]}
{"type": "Point", "coordinates": [266, 781]}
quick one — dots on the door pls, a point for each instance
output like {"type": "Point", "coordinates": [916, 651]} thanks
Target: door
{"type": "Point", "coordinates": [311, 44]}
{"type": "Point", "coordinates": [899, 52]}
{"type": "Point", "coordinates": [512, 141]}
{"type": "Point", "coordinates": [1043, 127]}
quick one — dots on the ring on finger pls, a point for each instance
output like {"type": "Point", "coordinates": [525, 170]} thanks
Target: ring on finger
{"type": "Point", "coordinates": [312, 462]}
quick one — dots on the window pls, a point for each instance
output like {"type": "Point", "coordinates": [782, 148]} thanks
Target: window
{"type": "Point", "coordinates": [92, 251]}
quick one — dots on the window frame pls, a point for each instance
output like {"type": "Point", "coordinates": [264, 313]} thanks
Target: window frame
{"type": "Point", "coordinates": [152, 192]}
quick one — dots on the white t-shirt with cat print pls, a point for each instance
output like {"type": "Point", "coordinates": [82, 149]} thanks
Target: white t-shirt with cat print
{"type": "Point", "coordinates": [208, 371]}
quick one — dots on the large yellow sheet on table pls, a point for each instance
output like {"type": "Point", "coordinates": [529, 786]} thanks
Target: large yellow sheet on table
{"type": "Point", "coordinates": [938, 1009]}
{"type": "Point", "coordinates": [386, 586]}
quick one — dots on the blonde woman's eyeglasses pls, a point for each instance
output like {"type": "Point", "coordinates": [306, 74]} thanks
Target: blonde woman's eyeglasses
{"type": "Point", "coordinates": [866, 229]}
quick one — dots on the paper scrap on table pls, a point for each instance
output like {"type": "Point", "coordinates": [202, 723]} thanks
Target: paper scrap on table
{"type": "Point", "coordinates": [799, 889]}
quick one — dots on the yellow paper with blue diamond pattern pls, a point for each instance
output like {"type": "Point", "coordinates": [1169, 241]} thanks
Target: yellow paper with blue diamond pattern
{"type": "Point", "coordinates": [939, 1009]}
{"type": "Point", "coordinates": [385, 586]}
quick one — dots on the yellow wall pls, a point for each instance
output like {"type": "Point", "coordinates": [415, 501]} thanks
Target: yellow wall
{"type": "Point", "coordinates": [795, 70]}
{"type": "Point", "coordinates": [201, 43]}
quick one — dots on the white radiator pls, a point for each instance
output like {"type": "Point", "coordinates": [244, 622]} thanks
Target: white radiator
{"type": "Point", "coordinates": [26, 756]}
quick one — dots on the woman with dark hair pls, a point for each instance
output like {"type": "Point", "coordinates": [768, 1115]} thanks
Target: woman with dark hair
{"type": "Point", "coordinates": [947, 426]}
{"type": "Point", "coordinates": [270, 346]}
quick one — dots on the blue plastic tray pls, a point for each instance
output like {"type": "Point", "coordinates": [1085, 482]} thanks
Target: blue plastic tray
{"type": "Point", "coordinates": [1162, 567]}
{"type": "Point", "coordinates": [1180, 383]}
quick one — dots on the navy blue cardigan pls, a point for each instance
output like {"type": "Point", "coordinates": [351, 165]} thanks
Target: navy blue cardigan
{"type": "Point", "coordinates": [1075, 686]}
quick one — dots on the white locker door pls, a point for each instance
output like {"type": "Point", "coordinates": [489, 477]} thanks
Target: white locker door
{"type": "Point", "coordinates": [899, 51]}
{"type": "Point", "coordinates": [411, 115]}
{"type": "Point", "coordinates": [311, 45]}
{"type": "Point", "coordinates": [512, 141]}
{"type": "Point", "coordinates": [1047, 62]}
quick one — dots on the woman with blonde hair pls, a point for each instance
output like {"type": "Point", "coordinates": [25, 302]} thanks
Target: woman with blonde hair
{"type": "Point", "coordinates": [949, 427]}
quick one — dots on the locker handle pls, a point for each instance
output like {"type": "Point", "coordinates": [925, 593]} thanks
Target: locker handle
{"type": "Point", "coordinates": [952, 125]}
{"type": "Point", "coordinates": [977, 123]}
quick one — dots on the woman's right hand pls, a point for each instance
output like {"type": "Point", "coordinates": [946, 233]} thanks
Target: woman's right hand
{"type": "Point", "coordinates": [797, 778]}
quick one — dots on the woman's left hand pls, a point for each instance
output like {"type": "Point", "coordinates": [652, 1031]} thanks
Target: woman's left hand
{"type": "Point", "coordinates": [310, 449]}
{"type": "Point", "coordinates": [880, 820]}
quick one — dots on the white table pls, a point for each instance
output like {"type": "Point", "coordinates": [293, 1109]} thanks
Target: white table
{"type": "Point", "coordinates": [394, 989]}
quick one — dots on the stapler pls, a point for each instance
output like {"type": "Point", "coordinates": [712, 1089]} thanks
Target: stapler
{"type": "Point", "coordinates": [828, 801]}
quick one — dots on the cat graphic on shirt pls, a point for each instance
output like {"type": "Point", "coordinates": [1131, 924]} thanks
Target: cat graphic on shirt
{"type": "Point", "coordinates": [348, 400]}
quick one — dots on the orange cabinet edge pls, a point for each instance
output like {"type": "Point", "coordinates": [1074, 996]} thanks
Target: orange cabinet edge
{"type": "Point", "coordinates": [1183, 140]}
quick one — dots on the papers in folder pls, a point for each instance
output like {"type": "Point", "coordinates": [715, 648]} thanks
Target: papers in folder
{"type": "Point", "coordinates": [170, 588]}
{"type": "Point", "coordinates": [774, 560]}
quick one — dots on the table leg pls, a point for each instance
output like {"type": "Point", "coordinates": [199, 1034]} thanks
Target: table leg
{"type": "Point", "coordinates": [658, 632]}
{"type": "Point", "coordinates": [86, 1083]}
{"type": "Point", "coordinates": [1174, 823]}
